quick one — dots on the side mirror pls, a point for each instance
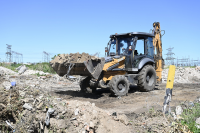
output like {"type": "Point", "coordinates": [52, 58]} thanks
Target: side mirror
{"type": "Point", "coordinates": [106, 49]}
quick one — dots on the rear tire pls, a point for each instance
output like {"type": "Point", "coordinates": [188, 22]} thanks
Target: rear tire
{"type": "Point", "coordinates": [147, 78]}
{"type": "Point", "coordinates": [85, 86]}
{"type": "Point", "coordinates": [119, 85]}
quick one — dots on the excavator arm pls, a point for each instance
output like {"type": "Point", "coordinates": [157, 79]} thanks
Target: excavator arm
{"type": "Point", "coordinates": [157, 43]}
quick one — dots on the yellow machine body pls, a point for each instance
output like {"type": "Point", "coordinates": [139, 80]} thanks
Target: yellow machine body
{"type": "Point", "coordinates": [158, 51]}
{"type": "Point", "coordinates": [108, 75]}
{"type": "Point", "coordinates": [170, 78]}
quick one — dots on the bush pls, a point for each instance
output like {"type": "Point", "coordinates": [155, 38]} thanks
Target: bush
{"type": "Point", "coordinates": [45, 67]}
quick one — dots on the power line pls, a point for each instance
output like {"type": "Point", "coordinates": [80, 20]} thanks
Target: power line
{"type": "Point", "coordinates": [18, 57]}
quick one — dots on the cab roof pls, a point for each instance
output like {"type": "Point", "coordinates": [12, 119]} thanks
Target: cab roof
{"type": "Point", "coordinates": [132, 34]}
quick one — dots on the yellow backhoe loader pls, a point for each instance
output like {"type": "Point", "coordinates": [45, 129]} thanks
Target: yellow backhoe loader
{"type": "Point", "coordinates": [130, 58]}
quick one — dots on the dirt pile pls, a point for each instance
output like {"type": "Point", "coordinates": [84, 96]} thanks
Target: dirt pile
{"type": "Point", "coordinates": [92, 119]}
{"type": "Point", "coordinates": [60, 63]}
{"type": "Point", "coordinates": [6, 71]}
{"type": "Point", "coordinates": [183, 75]}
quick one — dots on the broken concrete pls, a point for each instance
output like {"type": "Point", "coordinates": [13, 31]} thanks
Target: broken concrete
{"type": "Point", "coordinates": [183, 75]}
{"type": "Point", "coordinates": [22, 69]}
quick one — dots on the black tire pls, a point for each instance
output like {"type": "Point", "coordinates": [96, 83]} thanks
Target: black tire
{"type": "Point", "coordinates": [119, 85]}
{"type": "Point", "coordinates": [85, 86]}
{"type": "Point", "coordinates": [147, 78]}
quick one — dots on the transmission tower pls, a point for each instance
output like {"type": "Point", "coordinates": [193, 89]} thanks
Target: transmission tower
{"type": "Point", "coordinates": [18, 57]}
{"type": "Point", "coordinates": [45, 56]}
{"type": "Point", "coordinates": [194, 62]}
{"type": "Point", "coordinates": [170, 59]}
{"type": "Point", "coordinates": [8, 53]}
{"type": "Point", "coordinates": [183, 62]}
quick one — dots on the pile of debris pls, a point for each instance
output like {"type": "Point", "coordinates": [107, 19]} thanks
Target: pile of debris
{"type": "Point", "coordinates": [6, 71]}
{"type": "Point", "coordinates": [24, 71]}
{"type": "Point", "coordinates": [26, 108]}
{"type": "Point", "coordinates": [183, 75]}
{"type": "Point", "coordinates": [60, 63]}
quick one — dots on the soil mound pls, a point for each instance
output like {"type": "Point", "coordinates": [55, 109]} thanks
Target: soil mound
{"type": "Point", "coordinates": [61, 63]}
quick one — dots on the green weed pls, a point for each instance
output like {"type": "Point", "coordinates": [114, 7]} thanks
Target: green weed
{"type": "Point", "coordinates": [189, 117]}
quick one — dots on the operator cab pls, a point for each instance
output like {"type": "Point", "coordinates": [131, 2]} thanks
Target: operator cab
{"type": "Point", "coordinates": [136, 46]}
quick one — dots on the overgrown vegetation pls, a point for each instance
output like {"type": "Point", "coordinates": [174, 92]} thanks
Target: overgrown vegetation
{"type": "Point", "coordinates": [45, 67]}
{"type": "Point", "coordinates": [10, 66]}
{"type": "Point", "coordinates": [189, 117]}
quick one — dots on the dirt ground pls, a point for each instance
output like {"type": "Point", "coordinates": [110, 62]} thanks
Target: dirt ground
{"type": "Point", "coordinates": [136, 112]}
{"type": "Point", "coordinates": [143, 109]}
{"type": "Point", "coordinates": [136, 102]}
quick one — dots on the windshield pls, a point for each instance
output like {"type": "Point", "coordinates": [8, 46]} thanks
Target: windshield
{"type": "Point", "coordinates": [113, 46]}
{"type": "Point", "coordinates": [123, 45]}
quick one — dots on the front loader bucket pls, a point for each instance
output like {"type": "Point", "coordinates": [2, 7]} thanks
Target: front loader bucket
{"type": "Point", "coordinates": [92, 68]}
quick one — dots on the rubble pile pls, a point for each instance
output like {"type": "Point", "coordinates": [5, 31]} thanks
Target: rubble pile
{"type": "Point", "coordinates": [152, 121]}
{"type": "Point", "coordinates": [28, 104]}
{"type": "Point", "coordinates": [27, 107]}
{"type": "Point", "coordinates": [29, 72]}
{"type": "Point", "coordinates": [155, 121]}
{"type": "Point", "coordinates": [6, 71]}
{"type": "Point", "coordinates": [60, 63]}
{"type": "Point", "coordinates": [183, 75]}
{"type": "Point", "coordinates": [10, 106]}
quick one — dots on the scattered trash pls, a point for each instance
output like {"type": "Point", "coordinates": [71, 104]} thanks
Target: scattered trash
{"type": "Point", "coordinates": [179, 110]}
{"type": "Point", "coordinates": [7, 85]}
{"type": "Point", "coordinates": [198, 123]}
{"type": "Point", "coordinates": [49, 112]}
{"type": "Point", "coordinates": [22, 69]}
{"type": "Point", "coordinates": [190, 104]}
{"type": "Point", "coordinates": [10, 126]}
{"type": "Point", "coordinates": [27, 106]}
{"type": "Point", "coordinates": [76, 111]}
{"type": "Point", "coordinates": [13, 83]}
{"type": "Point", "coordinates": [114, 114]}
{"type": "Point", "coordinates": [59, 99]}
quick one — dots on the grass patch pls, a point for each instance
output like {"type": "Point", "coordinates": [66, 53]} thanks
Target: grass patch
{"type": "Point", "coordinates": [45, 67]}
{"type": "Point", "coordinates": [10, 66]}
{"type": "Point", "coordinates": [189, 117]}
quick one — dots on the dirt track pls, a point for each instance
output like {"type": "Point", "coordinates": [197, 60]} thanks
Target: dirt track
{"type": "Point", "coordinates": [135, 102]}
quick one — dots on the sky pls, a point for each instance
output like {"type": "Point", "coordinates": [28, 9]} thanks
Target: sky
{"type": "Point", "coordinates": [70, 26]}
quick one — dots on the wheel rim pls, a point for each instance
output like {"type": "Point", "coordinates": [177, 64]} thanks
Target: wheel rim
{"type": "Point", "coordinates": [121, 86]}
{"type": "Point", "coordinates": [150, 78]}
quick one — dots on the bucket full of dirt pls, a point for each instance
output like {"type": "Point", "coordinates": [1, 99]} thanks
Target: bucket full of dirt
{"type": "Point", "coordinates": [78, 64]}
